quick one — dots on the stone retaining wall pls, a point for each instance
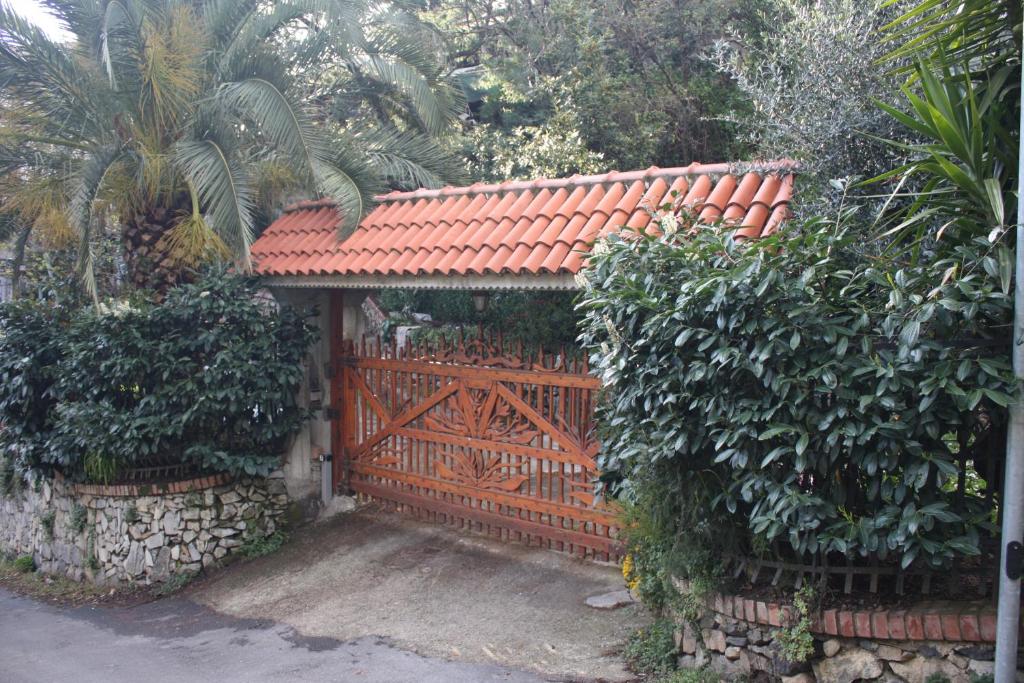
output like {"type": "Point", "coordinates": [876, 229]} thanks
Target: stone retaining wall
{"type": "Point", "coordinates": [138, 533]}
{"type": "Point", "coordinates": [737, 637]}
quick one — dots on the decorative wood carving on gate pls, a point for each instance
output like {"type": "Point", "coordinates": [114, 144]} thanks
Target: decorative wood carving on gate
{"type": "Point", "coordinates": [474, 433]}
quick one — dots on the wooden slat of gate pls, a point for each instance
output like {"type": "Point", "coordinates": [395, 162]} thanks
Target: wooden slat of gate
{"type": "Point", "coordinates": [471, 434]}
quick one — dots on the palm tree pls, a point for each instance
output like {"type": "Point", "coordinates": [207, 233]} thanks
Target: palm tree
{"type": "Point", "coordinates": [179, 116]}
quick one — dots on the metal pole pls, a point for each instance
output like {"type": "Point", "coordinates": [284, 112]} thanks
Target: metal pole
{"type": "Point", "coordinates": [1008, 618]}
{"type": "Point", "coordinates": [326, 478]}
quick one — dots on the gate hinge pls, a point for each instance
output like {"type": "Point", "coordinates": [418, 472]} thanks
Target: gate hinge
{"type": "Point", "coordinates": [332, 413]}
{"type": "Point", "coordinates": [1014, 560]}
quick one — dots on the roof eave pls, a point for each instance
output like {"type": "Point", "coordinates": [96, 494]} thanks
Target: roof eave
{"type": "Point", "coordinates": [504, 281]}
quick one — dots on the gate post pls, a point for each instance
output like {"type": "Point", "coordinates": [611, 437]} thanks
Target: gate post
{"type": "Point", "coordinates": [344, 422]}
{"type": "Point", "coordinates": [336, 411]}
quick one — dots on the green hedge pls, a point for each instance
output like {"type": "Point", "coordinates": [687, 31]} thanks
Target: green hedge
{"type": "Point", "coordinates": [801, 389]}
{"type": "Point", "coordinates": [207, 377]}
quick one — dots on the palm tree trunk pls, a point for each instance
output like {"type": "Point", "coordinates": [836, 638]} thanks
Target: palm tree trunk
{"type": "Point", "coordinates": [149, 263]}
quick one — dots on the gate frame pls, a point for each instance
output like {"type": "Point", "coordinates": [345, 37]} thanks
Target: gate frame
{"type": "Point", "coordinates": [594, 544]}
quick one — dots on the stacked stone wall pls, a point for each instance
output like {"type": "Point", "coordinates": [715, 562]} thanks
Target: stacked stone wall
{"type": "Point", "coordinates": [137, 533]}
{"type": "Point", "coordinates": [738, 637]}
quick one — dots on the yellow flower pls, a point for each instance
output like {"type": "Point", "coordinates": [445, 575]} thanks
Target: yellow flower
{"type": "Point", "coordinates": [629, 573]}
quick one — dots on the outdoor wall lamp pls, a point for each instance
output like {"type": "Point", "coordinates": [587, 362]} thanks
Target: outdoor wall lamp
{"type": "Point", "coordinates": [480, 301]}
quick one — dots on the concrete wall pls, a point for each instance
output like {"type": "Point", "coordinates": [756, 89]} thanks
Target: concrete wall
{"type": "Point", "coordinates": [302, 468]}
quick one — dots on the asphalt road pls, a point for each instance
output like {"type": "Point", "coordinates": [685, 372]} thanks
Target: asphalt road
{"type": "Point", "coordinates": [176, 640]}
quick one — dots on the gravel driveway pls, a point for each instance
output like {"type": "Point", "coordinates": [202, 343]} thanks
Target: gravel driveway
{"type": "Point", "coordinates": [363, 597]}
{"type": "Point", "coordinates": [436, 592]}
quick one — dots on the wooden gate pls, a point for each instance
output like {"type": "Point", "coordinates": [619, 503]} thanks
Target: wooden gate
{"type": "Point", "coordinates": [478, 435]}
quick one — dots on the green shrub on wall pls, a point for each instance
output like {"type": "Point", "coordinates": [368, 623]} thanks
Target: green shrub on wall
{"type": "Point", "coordinates": [814, 396]}
{"type": "Point", "coordinates": [207, 377]}
{"type": "Point", "coordinates": [30, 350]}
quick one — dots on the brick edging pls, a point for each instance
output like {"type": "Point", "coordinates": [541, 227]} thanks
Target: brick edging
{"type": "Point", "coordinates": [966, 622]}
{"type": "Point", "coordinates": [136, 490]}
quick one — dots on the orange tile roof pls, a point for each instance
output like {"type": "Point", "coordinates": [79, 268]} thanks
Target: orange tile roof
{"type": "Point", "coordinates": [519, 227]}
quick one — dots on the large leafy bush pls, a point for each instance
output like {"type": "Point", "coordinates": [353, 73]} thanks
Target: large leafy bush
{"type": "Point", "coordinates": [207, 378]}
{"type": "Point", "coordinates": [30, 352]}
{"type": "Point", "coordinates": [813, 396]}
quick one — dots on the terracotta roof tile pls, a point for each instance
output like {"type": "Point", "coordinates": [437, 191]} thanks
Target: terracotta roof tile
{"type": "Point", "coordinates": [385, 212]}
{"type": "Point", "coordinates": [536, 258]}
{"type": "Point", "coordinates": [357, 264]}
{"type": "Point", "coordinates": [548, 224]}
{"type": "Point", "coordinates": [459, 223]}
{"type": "Point", "coordinates": [410, 211]}
{"type": "Point", "coordinates": [740, 200]}
{"type": "Point", "coordinates": [485, 229]}
{"type": "Point", "coordinates": [449, 214]}
{"type": "Point", "coordinates": [574, 260]}
{"type": "Point", "coordinates": [718, 199]}
{"type": "Point", "coordinates": [601, 214]}
{"type": "Point", "coordinates": [481, 259]}
{"type": "Point", "coordinates": [499, 261]}
{"type": "Point", "coordinates": [553, 261]}
{"type": "Point", "coordinates": [519, 227]}
{"type": "Point", "coordinates": [429, 264]}
{"type": "Point", "coordinates": [447, 262]}
{"type": "Point", "coordinates": [406, 262]}
{"type": "Point", "coordinates": [652, 199]}
{"type": "Point", "coordinates": [318, 265]}
{"type": "Point", "coordinates": [620, 212]}
{"type": "Point", "coordinates": [474, 235]}
{"type": "Point", "coordinates": [693, 194]}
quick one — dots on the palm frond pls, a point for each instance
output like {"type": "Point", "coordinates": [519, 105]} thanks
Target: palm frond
{"type": "Point", "coordinates": [86, 186]}
{"type": "Point", "coordinates": [156, 97]}
{"type": "Point", "coordinates": [171, 69]}
{"type": "Point", "coordinates": [963, 155]}
{"type": "Point", "coordinates": [348, 178]}
{"type": "Point", "coordinates": [154, 178]}
{"type": "Point", "coordinates": [119, 27]}
{"type": "Point", "coordinates": [435, 109]}
{"type": "Point", "coordinates": [273, 182]}
{"type": "Point", "coordinates": [10, 225]}
{"type": "Point", "coordinates": [224, 19]}
{"type": "Point", "coordinates": [38, 201]}
{"type": "Point", "coordinates": [409, 160]}
{"type": "Point", "coordinates": [30, 195]}
{"type": "Point", "coordinates": [318, 18]}
{"type": "Point", "coordinates": [224, 190]}
{"type": "Point", "coordinates": [37, 71]}
{"type": "Point", "coordinates": [192, 241]}
{"type": "Point", "coordinates": [284, 125]}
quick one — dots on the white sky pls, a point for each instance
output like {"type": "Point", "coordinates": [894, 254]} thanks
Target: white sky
{"type": "Point", "coordinates": [31, 10]}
